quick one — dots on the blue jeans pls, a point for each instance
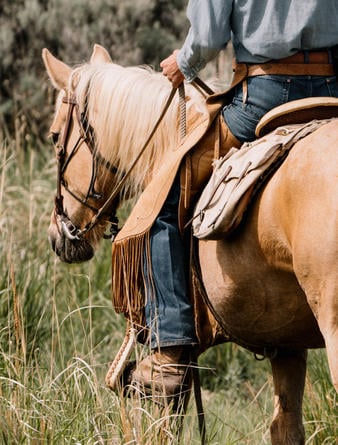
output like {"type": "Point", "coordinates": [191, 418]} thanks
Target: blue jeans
{"type": "Point", "coordinates": [267, 92]}
{"type": "Point", "coordinates": [168, 310]}
{"type": "Point", "coordinates": [169, 313]}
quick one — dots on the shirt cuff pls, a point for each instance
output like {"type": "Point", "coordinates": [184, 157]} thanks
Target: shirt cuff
{"type": "Point", "coordinates": [189, 72]}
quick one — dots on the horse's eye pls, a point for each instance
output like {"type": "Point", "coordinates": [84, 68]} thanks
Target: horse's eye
{"type": "Point", "coordinates": [55, 138]}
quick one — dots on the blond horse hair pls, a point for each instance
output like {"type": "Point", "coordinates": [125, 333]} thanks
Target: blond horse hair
{"type": "Point", "coordinates": [122, 106]}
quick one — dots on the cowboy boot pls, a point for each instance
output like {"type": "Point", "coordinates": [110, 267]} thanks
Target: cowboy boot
{"type": "Point", "coordinates": [165, 376]}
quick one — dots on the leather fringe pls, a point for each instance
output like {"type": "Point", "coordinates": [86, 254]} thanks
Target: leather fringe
{"type": "Point", "coordinates": [128, 274]}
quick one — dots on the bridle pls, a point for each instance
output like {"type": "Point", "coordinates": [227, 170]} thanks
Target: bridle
{"type": "Point", "coordinates": [86, 136]}
{"type": "Point", "coordinates": [70, 230]}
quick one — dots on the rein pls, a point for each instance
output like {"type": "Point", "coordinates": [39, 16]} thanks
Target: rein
{"type": "Point", "coordinates": [123, 180]}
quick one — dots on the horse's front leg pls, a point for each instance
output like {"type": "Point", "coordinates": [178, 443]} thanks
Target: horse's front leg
{"type": "Point", "coordinates": [289, 370]}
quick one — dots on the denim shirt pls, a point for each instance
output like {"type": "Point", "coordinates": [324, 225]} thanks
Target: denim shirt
{"type": "Point", "coordinates": [260, 30]}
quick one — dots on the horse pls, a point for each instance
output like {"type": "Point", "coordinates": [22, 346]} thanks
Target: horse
{"type": "Point", "coordinates": [273, 283]}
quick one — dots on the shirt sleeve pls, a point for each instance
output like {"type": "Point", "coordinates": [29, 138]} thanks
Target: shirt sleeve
{"type": "Point", "coordinates": [209, 32]}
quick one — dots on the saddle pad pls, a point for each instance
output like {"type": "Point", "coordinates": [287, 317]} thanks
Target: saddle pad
{"type": "Point", "coordinates": [227, 194]}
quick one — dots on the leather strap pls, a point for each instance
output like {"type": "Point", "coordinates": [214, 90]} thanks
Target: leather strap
{"type": "Point", "coordinates": [302, 63]}
{"type": "Point", "coordinates": [183, 112]}
{"type": "Point", "coordinates": [321, 57]}
{"type": "Point", "coordinates": [291, 69]}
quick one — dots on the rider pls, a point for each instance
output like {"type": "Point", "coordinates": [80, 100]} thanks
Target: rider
{"type": "Point", "coordinates": [287, 51]}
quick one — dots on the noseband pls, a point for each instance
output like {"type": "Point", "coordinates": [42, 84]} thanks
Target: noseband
{"type": "Point", "coordinates": [70, 230]}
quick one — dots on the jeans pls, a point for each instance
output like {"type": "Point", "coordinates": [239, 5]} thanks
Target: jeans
{"type": "Point", "coordinates": [267, 92]}
{"type": "Point", "coordinates": [168, 310]}
{"type": "Point", "coordinates": [169, 313]}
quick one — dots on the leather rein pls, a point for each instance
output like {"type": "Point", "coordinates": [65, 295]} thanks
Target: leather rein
{"type": "Point", "coordinates": [69, 228]}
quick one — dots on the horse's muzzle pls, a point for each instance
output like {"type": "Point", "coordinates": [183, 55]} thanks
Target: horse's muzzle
{"type": "Point", "coordinates": [69, 250]}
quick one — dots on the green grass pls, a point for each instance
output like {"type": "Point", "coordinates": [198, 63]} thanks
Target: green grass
{"type": "Point", "coordinates": [58, 332]}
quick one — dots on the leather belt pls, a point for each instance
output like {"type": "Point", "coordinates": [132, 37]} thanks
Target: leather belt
{"type": "Point", "coordinates": [322, 57]}
{"type": "Point", "coordinates": [303, 63]}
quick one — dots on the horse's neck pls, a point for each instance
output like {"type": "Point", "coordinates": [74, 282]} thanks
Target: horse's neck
{"type": "Point", "coordinates": [128, 137]}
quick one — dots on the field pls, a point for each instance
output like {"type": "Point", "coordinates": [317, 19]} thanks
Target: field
{"type": "Point", "coordinates": [59, 332]}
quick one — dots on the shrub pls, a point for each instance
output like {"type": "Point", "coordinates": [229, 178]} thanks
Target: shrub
{"type": "Point", "coordinates": [133, 32]}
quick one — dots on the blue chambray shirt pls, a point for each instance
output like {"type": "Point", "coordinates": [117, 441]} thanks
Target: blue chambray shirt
{"type": "Point", "coordinates": [260, 30]}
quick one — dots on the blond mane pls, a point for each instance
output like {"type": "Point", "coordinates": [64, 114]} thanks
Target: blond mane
{"type": "Point", "coordinates": [123, 105]}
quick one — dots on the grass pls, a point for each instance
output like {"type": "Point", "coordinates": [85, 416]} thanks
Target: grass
{"type": "Point", "coordinates": [58, 333]}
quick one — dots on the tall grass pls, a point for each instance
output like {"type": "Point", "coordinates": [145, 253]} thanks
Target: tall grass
{"type": "Point", "coordinates": [58, 332]}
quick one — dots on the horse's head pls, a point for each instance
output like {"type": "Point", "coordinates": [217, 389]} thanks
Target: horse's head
{"type": "Point", "coordinates": [104, 115]}
{"type": "Point", "coordinates": [84, 202]}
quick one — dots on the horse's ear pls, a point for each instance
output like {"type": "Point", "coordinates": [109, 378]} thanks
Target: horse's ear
{"type": "Point", "coordinates": [58, 71]}
{"type": "Point", "coordinates": [100, 55]}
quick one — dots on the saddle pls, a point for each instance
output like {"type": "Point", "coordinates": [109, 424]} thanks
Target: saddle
{"type": "Point", "coordinates": [297, 112]}
{"type": "Point", "coordinates": [238, 175]}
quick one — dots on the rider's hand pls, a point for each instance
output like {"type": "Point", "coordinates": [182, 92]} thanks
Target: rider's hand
{"type": "Point", "coordinates": [171, 70]}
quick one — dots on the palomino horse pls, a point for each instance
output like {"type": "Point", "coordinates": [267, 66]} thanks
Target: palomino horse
{"type": "Point", "coordinates": [273, 284]}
